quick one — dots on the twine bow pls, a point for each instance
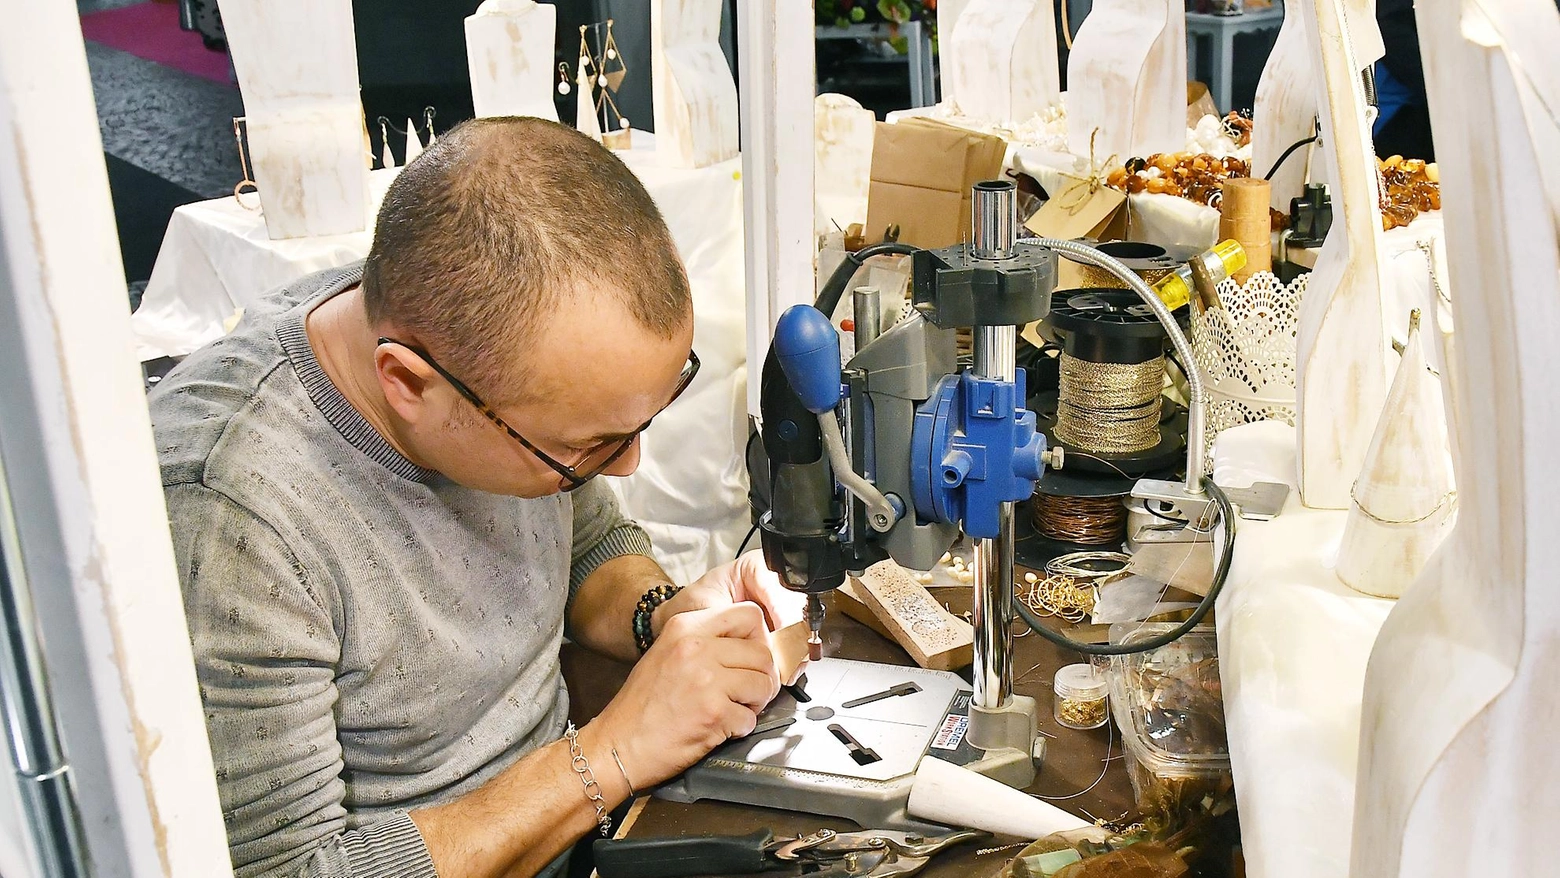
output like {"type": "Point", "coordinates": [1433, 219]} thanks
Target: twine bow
{"type": "Point", "coordinates": [1074, 197]}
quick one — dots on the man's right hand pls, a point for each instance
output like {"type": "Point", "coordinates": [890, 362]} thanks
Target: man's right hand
{"type": "Point", "coordinates": [703, 682]}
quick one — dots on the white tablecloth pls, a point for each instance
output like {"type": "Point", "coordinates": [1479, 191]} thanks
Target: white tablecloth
{"type": "Point", "coordinates": [1293, 643]}
{"type": "Point", "coordinates": [690, 492]}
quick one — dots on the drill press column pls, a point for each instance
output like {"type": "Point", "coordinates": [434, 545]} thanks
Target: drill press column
{"type": "Point", "coordinates": [994, 234]}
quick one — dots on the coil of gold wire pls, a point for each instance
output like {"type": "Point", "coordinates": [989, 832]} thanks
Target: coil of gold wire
{"type": "Point", "coordinates": [1109, 408]}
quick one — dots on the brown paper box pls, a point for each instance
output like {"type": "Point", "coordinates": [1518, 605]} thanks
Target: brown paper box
{"type": "Point", "coordinates": [922, 173]}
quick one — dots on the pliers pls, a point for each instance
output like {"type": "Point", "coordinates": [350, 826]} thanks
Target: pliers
{"type": "Point", "coordinates": [876, 853]}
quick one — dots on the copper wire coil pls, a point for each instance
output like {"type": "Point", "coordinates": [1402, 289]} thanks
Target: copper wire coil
{"type": "Point", "coordinates": [1085, 521]}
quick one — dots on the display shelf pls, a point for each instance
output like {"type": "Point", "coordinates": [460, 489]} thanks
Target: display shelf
{"type": "Point", "coordinates": [1293, 643]}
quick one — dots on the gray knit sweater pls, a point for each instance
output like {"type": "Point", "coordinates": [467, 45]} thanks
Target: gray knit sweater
{"type": "Point", "coordinates": [369, 636]}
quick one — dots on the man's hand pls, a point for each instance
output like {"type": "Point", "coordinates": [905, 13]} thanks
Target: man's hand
{"type": "Point", "coordinates": [704, 681]}
{"type": "Point", "coordinates": [745, 579]}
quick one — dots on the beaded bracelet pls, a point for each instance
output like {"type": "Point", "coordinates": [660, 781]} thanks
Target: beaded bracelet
{"type": "Point", "coordinates": [644, 635]}
{"type": "Point", "coordinates": [581, 767]}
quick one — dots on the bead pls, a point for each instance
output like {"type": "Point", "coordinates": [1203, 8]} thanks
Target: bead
{"type": "Point", "coordinates": [612, 54]}
{"type": "Point", "coordinates": [623, 122]}
{"type": "Point", "coordinates": [601, 79]}
{"type": "Point", "coordinates": [563, 88]}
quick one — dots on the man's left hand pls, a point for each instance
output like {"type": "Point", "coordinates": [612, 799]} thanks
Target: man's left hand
{"type": "Point", "coordinates": [745, 579]}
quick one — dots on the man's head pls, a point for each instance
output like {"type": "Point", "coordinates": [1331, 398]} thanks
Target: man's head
{"type": "Point", "coordinates": [531, 265]}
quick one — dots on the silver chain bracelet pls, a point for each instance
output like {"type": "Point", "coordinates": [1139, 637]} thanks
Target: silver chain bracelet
{"type": "Point", "coordinates": [581, 767]}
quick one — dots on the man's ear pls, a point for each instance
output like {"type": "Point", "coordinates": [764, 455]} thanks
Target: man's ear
{"type": "Point", "coordinates": [405, 379]}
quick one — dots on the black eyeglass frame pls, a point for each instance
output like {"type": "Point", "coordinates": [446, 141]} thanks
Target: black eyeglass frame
{"type": "Point", "coordinates": [572, 477]}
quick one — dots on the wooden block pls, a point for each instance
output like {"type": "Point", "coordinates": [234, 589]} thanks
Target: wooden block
{"type": "Point", "coordinates": [934, 637]}
{"type": "Point", "coordinates": [847, 600]}
{"type": "Point", "coordinates": [789, 645]}
{"type": "Point", "coordinates": [1243, 217]}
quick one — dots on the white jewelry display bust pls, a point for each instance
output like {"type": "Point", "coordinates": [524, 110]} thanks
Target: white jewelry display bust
{"type": "Point", "coordinates": [509, 50]}
{"type": "Point", "coordinates": [1126, 78]}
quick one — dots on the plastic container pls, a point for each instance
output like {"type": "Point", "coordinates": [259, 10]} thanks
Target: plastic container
{"type": "Point", "coordinates": [1081, 697]}
{"type": "Point", "coordinates": [1170, 708]}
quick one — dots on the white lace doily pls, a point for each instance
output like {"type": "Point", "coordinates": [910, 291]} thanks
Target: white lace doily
{"type": "Point", "coordinates": [1246, 352]}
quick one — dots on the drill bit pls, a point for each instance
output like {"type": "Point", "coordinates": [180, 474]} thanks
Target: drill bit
{"type": "Point", "coordinates": [815, 622]}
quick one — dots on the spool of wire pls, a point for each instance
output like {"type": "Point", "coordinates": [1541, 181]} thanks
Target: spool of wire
{"type": "Point", "coordinates": [1083, 521]}
{"type": "Point", "coordinates": [1148, 261]}
{"type": "Point", "coordinates": [1110, 408]}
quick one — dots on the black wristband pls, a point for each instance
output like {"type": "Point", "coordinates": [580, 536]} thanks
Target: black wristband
{"type": "Point", "coordinates": [644, 635]}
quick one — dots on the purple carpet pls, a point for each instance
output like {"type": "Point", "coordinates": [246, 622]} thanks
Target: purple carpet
{"type": "Point", "coordinates": [151, 31]}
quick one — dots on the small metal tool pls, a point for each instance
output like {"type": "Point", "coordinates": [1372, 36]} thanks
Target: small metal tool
{"type": "Point", "coordinates": [772, 725]}
{"type": "Point", "coordinates": [873, 853]}
{"type": "Point", "coordinates": [895, 692]}
{"type": "Point", "coordinates": [798, 690]}
{"type": "Point", "coordinates": [860, 752]}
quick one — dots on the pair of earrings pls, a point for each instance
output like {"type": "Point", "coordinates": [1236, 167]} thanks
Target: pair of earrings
{"type": "Point", "coordinates": [414, 144]}
{"type": "Point", "coordinates": [604, 73]}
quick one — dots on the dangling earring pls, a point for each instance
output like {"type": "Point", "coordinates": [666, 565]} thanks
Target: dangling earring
{"type": "Point", "coordinates": [428, 114]}
{"type": "Point", "coordinates": [563, 78]}
{"type": "Point", "coordinates": [614, 78]}
{"type": "Point", "coordinates": [387, 158]}
{"type": "Point", "coordinates": [239, 124]}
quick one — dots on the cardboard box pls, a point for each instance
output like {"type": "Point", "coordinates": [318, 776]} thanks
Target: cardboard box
{"type": "Point", "coordinates": [922, 174]}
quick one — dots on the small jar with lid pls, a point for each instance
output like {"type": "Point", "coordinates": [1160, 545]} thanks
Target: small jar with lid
{"type": "Point", "coordinates": [1081, 697]}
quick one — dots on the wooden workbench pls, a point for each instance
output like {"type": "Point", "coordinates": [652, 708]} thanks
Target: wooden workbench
{"type": "Point", "coordinates": [1073, 759]}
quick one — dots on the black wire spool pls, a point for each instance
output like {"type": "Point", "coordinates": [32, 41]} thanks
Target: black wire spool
{"type": "Point", "coordinates": [1148, 261]}
{"type": "Point", "coordinates": [1110, 328]}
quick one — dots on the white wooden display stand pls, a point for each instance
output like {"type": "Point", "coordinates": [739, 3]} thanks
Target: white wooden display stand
{"type": "Point", "coordinates": [1126, 78]}
{"type": "Point", "coordinates": [1342, 353]}
{"type": "Point", "coordinates": [778, 76]}
{"type": "Point", "coordinates": [842, 161]}
{"type": "Point", "coordinates": [509, 51]}
{"type": "Point", "coordinates": [1003, 63]}
{"type": "Point", "coordinates": [83, 485]}
{"type": "Point", "coordinates": [695, 98]}
{"type": "Point", "coordinates": [296, 62]}
{"type": "Point", "coordinates": [1458, 774]}
{"type": "Point", "coordinates": [1285, 107]}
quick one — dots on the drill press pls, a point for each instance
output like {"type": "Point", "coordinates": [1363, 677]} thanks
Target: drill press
{"type": "Point", "coordinates": [892, 456]}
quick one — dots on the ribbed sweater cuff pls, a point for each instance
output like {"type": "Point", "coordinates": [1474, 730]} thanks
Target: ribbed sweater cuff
{"type": "Point", "coordinates": [391, 848]}
{"type": "Point", "coordinates": [625, 539]}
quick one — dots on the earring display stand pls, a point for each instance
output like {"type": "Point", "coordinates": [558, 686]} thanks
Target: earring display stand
{"type": "Point", "coordinates": [601, 73]}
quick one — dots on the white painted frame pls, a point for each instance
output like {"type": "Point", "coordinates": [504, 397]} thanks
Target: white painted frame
{"type": "Point", "coordinates": [1342, 359]}
{"type": "Point", "coordinates": [84, 479]}
{"type": "Point", "coordinates": [777, 84]}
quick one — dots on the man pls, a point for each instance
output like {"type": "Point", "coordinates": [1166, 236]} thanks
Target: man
{"type": "Point", "coordinates": [380, 490]}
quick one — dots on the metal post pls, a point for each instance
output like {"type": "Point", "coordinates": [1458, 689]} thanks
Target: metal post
{"type": "Point", "coordinates": [994, 220]}
{"type": "Point", "coordinates": [37, 758]}
{"type": "Point", "coordinates": [865, 305]}
{"type": "Point", "coordinates": [994, 235]}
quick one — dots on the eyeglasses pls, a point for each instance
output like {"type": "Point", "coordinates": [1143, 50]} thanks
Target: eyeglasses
{"type": "Point", "coordinates": [594, 461]}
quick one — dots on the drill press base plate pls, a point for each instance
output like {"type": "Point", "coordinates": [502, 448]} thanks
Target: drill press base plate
{"type": "Point", "coordinates": [864, 774]}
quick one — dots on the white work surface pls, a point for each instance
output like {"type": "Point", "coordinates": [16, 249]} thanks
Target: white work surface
{"type": "Point", "coordinates": [1293, 643]}
{"type": "Point", "coordinates": [690, 492]}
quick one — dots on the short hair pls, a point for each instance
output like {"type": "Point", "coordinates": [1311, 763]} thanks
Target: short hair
{"type": "Point", "coordinates": [482, 236]}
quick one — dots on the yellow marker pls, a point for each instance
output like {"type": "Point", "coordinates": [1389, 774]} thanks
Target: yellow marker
{"type": "Point", "coordinates": [1178, 287]}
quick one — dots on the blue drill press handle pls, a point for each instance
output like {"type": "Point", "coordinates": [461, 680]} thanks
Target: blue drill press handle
{"type": "Point", "coordinates": [809, 352]}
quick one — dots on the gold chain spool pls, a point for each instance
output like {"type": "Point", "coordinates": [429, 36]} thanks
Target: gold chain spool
{"type": "Point", "coordinates": [1084, 521]}
{"type": "Point", "coordinates": [1092, 277]}
{"type": "Point", "coordinates": [1110, 408]}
